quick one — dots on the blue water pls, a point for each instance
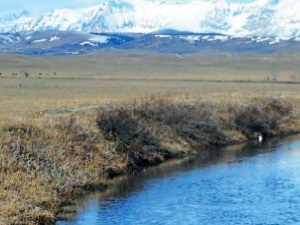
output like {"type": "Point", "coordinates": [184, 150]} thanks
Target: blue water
{"type": "Point", "coordinates": [239, 188]}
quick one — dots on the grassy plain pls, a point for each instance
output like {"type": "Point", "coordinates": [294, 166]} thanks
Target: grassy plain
{"type": "Point", "coordinates": [59, 103]}
{"type": "Point", "coordinates": [96, 78]}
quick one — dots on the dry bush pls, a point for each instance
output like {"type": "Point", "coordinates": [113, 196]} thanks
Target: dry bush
{"type": "Point", "coordinates": [129, 133]}
{"type": "Point", "coordinates": [135, 129]}
{"type": "Point", "coordinates": [265, 118]}
{"type": "Point", "coordinates": [198, 123]}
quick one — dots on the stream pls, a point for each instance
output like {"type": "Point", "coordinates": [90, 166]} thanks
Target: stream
{"type": "Point", "coordinates": [257, 183]}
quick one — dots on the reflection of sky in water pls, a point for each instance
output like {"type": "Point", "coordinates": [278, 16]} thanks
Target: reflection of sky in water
{"type": "Point", "coordinates": [264, 189]}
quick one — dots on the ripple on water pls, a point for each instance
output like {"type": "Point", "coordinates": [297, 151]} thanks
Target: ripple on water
{"type": "Point", "coordinates": [262, 189]}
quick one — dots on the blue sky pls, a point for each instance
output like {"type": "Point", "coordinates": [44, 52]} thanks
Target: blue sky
{"type": "Point", "coordinates": [42, 6]}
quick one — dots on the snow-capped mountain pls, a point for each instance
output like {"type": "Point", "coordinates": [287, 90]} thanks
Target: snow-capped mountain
{"type": "Point", "coordinates": [36, 43]}
{"type": "Point", "coordinates": [276, 19]}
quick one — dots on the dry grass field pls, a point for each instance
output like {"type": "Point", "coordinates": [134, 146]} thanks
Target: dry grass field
{"type": "Point", "coordinates": [48, 122]}
{"type": "Point", "coordinates": [97, 78]}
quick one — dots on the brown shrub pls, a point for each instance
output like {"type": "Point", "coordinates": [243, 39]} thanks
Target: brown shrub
{"type": "Point", "coordinates": [198, 123]}
{"type": "Point", "coordinates": [135, 129]}
{"type": "Point", "coordinates": [130, 135]}
{"type": "Point", "coordinates": [265, 118]}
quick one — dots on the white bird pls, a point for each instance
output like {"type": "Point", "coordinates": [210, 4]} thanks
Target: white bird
{"type": "Point", "coordinates": [260, 138]}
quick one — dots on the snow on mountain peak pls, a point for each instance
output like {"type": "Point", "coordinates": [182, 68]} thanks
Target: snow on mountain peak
{"type": "Point", "coordinates": [262, 18]}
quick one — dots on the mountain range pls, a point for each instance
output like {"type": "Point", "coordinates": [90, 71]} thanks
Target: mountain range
{"type": "Point", "coordinates": [36, 43]}
{"type": "Point", "coordinates": [274, 19]}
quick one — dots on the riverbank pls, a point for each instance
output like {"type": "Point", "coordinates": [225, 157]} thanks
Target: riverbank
{"type": "Point", "coordinates": [48, 159]}
{"type": "Point", "coordinates": [200, 189]}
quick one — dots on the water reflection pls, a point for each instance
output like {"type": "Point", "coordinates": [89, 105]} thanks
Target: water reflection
{"type": "Point", "coordinates": [251, 184]}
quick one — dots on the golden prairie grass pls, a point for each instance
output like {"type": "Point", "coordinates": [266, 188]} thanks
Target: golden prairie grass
{"type": "Point", "coordinates": [31, 98]}
{"type": "Point", "coordinates": [108, 77]}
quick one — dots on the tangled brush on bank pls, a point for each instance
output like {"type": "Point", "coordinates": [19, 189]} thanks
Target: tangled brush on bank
{"type": "Point", "coordinates": [199, 124]}
{"type": "Point", "coordinates": [131, 137]}
{"type": "Point", "coordinates": [264, 119]}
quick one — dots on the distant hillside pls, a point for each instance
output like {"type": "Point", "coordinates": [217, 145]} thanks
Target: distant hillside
{"type": "Point", "coordinates": [38, 43]}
